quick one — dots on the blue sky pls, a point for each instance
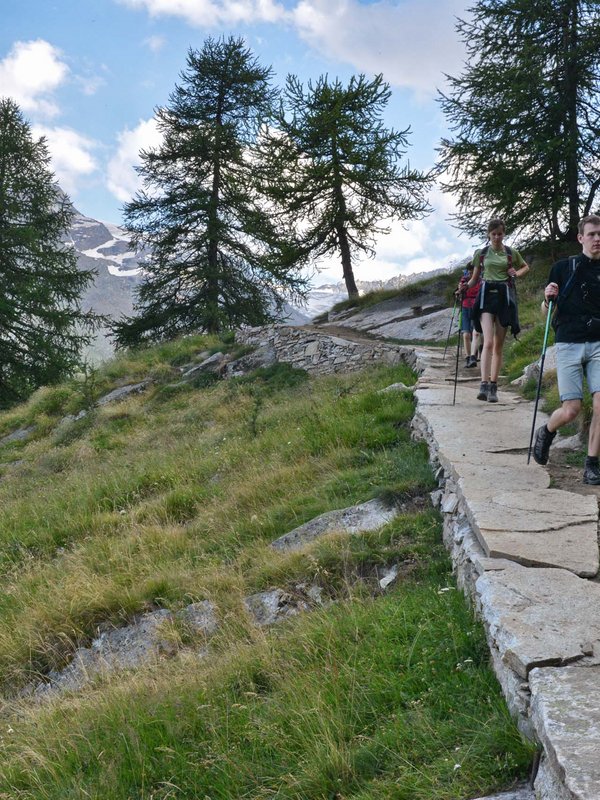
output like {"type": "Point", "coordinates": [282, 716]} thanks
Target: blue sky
{"type": "Point", "coordinates": [88, 75]}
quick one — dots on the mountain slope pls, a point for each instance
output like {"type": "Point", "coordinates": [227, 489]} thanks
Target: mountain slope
{"type": "Point", "coordinates": [174, 496]}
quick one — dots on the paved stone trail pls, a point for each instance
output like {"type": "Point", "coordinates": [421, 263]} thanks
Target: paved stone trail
{"type": "Point", "coordinates": [526, 552]}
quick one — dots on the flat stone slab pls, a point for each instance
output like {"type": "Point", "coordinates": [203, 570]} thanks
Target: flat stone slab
{"type": "Point", "coordinates": [545, 528]}
{"type": "Point", "coordinates": [513, 511]}
{"type": "Point", "coordinates": [565, 707]}
{"type": "Point", "coordinates": [540, 617]}
{"type": "Point", "coordinates": [355, 519]}
{"type": "Point", "coordinates": [501, 473]}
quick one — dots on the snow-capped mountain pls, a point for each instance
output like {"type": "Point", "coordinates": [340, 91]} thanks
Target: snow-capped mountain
{"type": "Point", "coordinates": [106, 249]}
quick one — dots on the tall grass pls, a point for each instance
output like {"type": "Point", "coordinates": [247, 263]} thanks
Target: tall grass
{"type": "Point", "coordinates": [174, 496]}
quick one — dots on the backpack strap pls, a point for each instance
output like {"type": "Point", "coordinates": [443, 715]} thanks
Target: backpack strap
{"type": "Point", "coordinates": [509, 259]}
{"type": "Point", "coordinates": [573, 265]}
{"type": "Point", "coordinates": [482, 255]}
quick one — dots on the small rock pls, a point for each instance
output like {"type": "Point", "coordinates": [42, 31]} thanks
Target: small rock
{"type": "Point", "coordinates": [390, 576]}
{"type": "Point", "coordinates": [396, 387]}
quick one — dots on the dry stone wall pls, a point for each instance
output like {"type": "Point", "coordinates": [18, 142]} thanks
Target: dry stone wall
{"type": "Point", "coordinates": [319, 352]}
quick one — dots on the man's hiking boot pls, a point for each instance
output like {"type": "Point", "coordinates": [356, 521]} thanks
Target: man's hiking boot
{"type": "Point", "coordinates": [591, 473]}
{"type": "Point", "coordinates": [468, 361]}
{"type": "Point", "coordinates": [471, 361]}
{"type": "Point", "coordinates": [484, 390]}
{"type": "Point", "coordinates": [493, 393]}
{"type": "Point", "coordinates": [541, 445]}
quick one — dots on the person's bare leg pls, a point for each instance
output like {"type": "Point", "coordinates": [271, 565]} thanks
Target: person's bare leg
{"type": "Point", "coordinates": [594, 437]}
{"type": "Point", "coordinates": [498, 346]}
{"type": "Point", "coordinates": [467, 343]}
{"type": "Point", "coordinates": [565, 413]}
{"type": "Point", "coordinates": [487, 325]}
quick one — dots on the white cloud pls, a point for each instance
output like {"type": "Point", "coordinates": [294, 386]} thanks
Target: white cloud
{"type": "Point", "coordinates": [212, 12]}
{"type": "Point", "coordinates": [412, 247]}
{"type": "Point", "coordinates": [122, 179]}
{"type": "Point", "coordinates": [71, 154]}
{"type": "Point", "coordinates": [155, 43]}
{"type": "Point", "coordinates": [412, 42]}
{"type": "Point", "coordinates": [30, 73]}
{"type": "Point", "coordinates": [90, 85]}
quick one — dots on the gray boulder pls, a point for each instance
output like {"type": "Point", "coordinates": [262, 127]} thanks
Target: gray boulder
{"type": "Point", "coordinates": [261, 357]}
{"type": "Point", "coordinates": [214, 363]}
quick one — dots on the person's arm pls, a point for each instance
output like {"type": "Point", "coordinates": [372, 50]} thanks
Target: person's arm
{"type": "Point", "coordinates": [475, 276]}
{"type": "Point", "coordinates": [523, 269]}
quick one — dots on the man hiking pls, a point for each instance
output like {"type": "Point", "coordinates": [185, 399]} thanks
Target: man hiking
{"type": "Point", "coordinates": [574, 284]}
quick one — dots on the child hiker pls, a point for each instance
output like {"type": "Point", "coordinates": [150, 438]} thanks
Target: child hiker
{"type": "Point", "coordinates": [470, 335]}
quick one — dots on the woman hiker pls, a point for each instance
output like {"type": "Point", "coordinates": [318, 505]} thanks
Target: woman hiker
{"type": "Point", "coordinates": [495, 308]}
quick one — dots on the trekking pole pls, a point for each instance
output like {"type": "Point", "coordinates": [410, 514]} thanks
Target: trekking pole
{"type": "Point", "coordinates": [539, 384]}
{"type": "Point", "coordinates": [457, 354]}
{"type": "Point", "coordinates": [450, 326]}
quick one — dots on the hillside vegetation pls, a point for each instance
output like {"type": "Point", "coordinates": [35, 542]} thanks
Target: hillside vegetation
{"type": "Point", "coordinates": [173, 496]}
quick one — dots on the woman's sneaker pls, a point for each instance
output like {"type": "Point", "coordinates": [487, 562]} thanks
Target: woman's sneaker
{"type": "Point", "coordinates": [484, 390]}
{"type": "Point", "coordinates": [493, 393]}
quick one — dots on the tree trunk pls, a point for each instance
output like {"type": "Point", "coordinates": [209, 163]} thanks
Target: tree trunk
{"type": "Point", "coordinates": [347, 263]}
{"type": "Point", "coordinates": [212, 293]}
{"type": "Point", "coordinates": [570, 41]}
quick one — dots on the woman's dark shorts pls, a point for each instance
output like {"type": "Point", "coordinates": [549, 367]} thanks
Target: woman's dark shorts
{"type": "Point", "coordinates": [495, 301]}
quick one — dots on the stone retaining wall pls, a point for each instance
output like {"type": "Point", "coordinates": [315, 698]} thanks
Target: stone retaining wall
{"type": "Point", "coordinates": [323, 353]}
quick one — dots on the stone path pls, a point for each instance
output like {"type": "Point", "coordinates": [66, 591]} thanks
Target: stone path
{"type": "Point", "coordinates": [526, 552]}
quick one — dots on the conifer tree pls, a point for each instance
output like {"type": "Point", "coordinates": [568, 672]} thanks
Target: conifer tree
{"type": "Point", "coordinates": [336, 171]}
{"type": "Point", "coordinates": [525, 117]}
{"type": "Point", "coordinates": [42, 327]}
{"type": "Point", "coordinates": [215, 258]}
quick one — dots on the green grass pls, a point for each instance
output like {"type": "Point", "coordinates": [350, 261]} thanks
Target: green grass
{"type": "Point", "coordinates": [174, 496]}
{"type": "Point", "coordinates": [385, 698]}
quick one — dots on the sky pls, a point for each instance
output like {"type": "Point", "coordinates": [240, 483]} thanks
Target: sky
{"type": "Point", "coordinates": [88, 75]}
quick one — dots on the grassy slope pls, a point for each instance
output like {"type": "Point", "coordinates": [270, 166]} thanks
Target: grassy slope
{"type": "Point", "coordinates": [173, 497]}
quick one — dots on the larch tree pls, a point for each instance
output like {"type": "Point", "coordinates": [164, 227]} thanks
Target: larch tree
{"type": "Point", "coordinates": [214, 256]}
{"type": "Point", "coordinates": [42, 325]}
{"type": "Point", "coordinates": [524, 117]}
{"type": "Point", "coordinates": [336, 172]}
